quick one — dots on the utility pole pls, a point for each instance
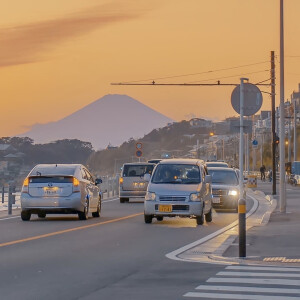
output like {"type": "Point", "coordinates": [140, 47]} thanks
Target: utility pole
{"type": "Point", "coordinates": [273, 123]}
{"type": "Point", "coordinates": [282, 196]}
{"type": "Point", "coordinates": [295, 129]}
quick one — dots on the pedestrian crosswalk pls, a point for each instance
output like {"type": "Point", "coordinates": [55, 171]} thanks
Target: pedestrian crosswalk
{"type": "Point", "coordinates": [251, 283]}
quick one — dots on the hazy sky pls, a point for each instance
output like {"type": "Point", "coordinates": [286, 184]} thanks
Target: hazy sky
{"type": "Point", "coordinates": [58, 56]}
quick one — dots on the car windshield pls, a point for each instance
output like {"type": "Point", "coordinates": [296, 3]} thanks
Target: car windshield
{"type": "Point", "coordinates": [177, 174]}
{"type": "Point", "coordinates": [223, 177]}
{"type": "Point", "coordinates": [137, 170]}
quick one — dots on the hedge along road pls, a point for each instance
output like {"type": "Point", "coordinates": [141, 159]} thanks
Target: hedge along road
{"type": "Point", "coordinates": [62, 258]}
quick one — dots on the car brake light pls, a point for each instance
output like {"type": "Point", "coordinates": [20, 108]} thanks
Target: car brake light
{"type": "Point", "coordinates": [25, 185]}
{"type": "Point", "coordinates": [76, 187]}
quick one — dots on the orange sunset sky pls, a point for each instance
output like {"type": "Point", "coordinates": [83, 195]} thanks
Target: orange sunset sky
{"type": "Point", "coordinates": [56, 56]}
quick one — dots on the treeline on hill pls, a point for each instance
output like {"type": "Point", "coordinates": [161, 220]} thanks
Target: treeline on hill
{"type": "Point", "coordinates": [61, 151]}
{"type": "Point", "coordinates": [174, 139]}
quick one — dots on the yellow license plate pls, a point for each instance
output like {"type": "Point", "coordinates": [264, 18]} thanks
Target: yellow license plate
{"type": "Point", "coordinates": [165, 208]}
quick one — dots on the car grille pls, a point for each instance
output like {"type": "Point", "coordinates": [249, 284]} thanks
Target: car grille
{"type": "Point", "coordinates": [176, 207]}
{"type": "Point", "coordinates": [218, 193]}
{"type": "Point", "coordinates": [171, 198]}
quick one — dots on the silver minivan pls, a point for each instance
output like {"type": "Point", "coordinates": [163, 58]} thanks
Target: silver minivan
{"type": "Point", "coordinates": [60, 189]}
{"type": "Point", "coordinates": [132, 183]}
{"type": "Point", "coordinates": [179, 187]}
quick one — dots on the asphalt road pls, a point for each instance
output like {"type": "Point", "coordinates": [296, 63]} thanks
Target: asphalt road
{"type": "Point", "coordinates": [116, 256]}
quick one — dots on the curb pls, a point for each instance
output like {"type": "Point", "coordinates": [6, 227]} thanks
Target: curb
{"type": "Point", "coordinates": [210, 249]}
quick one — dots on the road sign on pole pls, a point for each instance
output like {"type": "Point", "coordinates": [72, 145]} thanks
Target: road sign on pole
{"type": "Point", "coordinates": [139, 146]}
{"type": "Point", "coordinates": [252, 99]}
{"type": "Point", "coordinates": [138, 153]}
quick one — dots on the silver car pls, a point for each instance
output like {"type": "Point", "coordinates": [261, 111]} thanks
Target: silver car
{"type": "Point", "coordinates": [60, 189]}
{"type": "Point", "coordinates": [132, 183]}
{"type": "Point", "coordinates": [179, 187]}
{"type": "Point", "coordinates": [225, 188]}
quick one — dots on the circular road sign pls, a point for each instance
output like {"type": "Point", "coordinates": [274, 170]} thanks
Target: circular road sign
{"type": "Point", "coordinates": [138, 153]}
{"type": "Point", "coordinates": [139, 146]}
{"type": "Point", "coordinates": [254, 142]}
{"type": "Point", "coordinates": [252, 99]}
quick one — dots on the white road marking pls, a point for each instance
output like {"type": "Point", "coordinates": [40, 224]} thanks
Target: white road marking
{"type": "Point", "coordinates": [237, 296]}
{"type": "Point", "coordinates": [9, 218]}
{"type": "Point", "coordinates": [115, 199]}
{"type": "Point", "coordinates": [258, 274]}
{"type": "Point", "coordinates": [247, 289]}
{"type": "Point", "coordinates": [256, 281]}
{"type": "Point", "coordinates": [251, 268]}
{"type": "Point", "coordinates": [174, 254]}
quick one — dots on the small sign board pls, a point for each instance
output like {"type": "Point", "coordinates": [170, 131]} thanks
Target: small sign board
{"type": "Point", "coordinates": [138, 153]}
{"type": "Point", "coordinates": [139, 146]}
{"type": "Point", "coordinates": [254, 142]}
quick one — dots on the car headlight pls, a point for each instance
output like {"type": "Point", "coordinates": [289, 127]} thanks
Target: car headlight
{"type": "Point", "coordinates": [150, 196]}
{"type": "Point", "coordinates": [195, 197]}
{"type": "Point", "coordinates": [233, 193]}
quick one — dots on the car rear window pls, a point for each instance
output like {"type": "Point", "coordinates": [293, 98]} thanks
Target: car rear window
{"type": "Point", "coordinates": [137, 170]}
{"type": "Point", "coordinates": [53, 179]}
{"type": "Point", "coordinates": [223, 177]}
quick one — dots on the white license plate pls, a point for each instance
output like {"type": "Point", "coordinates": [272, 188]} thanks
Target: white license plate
{"type": "Point", "coordinates": [216, 199]}
{"type": "Point", "coordinates": [51, 191]}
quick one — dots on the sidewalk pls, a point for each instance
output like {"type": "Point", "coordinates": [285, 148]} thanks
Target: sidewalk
{"type": "Point", "coordinates": [277, 241]}
{"type": "Point", "coordinates": [272, 237]}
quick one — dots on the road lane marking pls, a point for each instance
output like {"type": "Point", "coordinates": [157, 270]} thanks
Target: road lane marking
{"type": "Point", "coordinates": [9, 218]}
{"type": "Point", "coordinates": [174, 254]}
{"type": "Point", "coordinates": [67, 230]}
{"type": "Point", "coordinates": [237, 296]}
{"type": "Point", "coordinates": [115, 199]}
{"type": "Point", "coordinates": [247, 289]}
{"type": "Point", "coordinates": [256, 281]}
{"type": "Point", "coordinates": [251, 268]}
{"type": "Point", "coordinates": [258, 274]}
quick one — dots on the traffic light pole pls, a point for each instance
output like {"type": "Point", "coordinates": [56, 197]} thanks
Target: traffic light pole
{"type": "Point", "coordinates": [273, 123]}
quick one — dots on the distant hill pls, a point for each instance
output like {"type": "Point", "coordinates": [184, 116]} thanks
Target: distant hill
{"type": "Point", "coordinates": [112, 119]}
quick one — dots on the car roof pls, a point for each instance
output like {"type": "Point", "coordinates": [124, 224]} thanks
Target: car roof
{"type": "Point", "coordinates": [216, 162]}
{"type": "Point", "coordinates": [139, 163]}
{"type": "Point", "coordinates": [183, 161]}
{"type": "Point", "coordinates": [54, 169]}
{"type": "Point", "coordinates": [221, 169]}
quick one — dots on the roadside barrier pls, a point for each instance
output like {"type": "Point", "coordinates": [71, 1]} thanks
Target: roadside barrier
{"type": "Point", "coordinates": [252, 181]}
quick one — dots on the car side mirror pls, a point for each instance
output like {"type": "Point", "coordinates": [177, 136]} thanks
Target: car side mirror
{"type": "Point", "coordinates": [147, 177]}
{"type": "Point", "coordinates": [98, 181]}
{"type": "Point", "coordinates": [207, 179]}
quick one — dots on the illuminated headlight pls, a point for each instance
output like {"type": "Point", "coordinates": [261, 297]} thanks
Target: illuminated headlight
{"type": "Point", "coordinates": [150, 196]}
{"type": "Point", "coordinates": [195, 197]}
{"type": "Point", "coordinates": [233, 193]}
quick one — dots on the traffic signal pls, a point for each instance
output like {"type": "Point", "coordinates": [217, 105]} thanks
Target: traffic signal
{"type": "Point", "coordinates": [276, 139]}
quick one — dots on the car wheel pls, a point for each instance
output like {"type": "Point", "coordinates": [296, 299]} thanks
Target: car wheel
{"type": "Point", "coordinates": [25, 215]}
{"type": "Point", "coordinates": [42, 215]}
{"type": "Point", "coordinates": [159, 218]}
{"type": "Point", "coordinates": [208, 216]}
{"type": "Point", "coordinates": [96, 214]}
{"type": "Point", "coordinates": [200, 219]}
{"type": "Point", "coordinates": [122, 200]}
{"type": "Point", "coordinates": [148, 219]}
{"type": "Point", "coordinates": [85, 214]}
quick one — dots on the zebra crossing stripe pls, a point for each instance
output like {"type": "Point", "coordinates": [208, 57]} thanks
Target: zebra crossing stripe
{"type": "Point", "coordinates": [258, 274]}
{"type": "Point", "coordinates": [247, 289]}
{"type": "Point", "coordinates": [237, 296]}
{"type": "Point", "coordinates": [256, 281]}
{"type": "Point", "coordinates": [252, 268]}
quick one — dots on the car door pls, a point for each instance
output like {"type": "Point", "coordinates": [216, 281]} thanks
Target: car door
{"type": "Point", "coordinates": [93, 189]}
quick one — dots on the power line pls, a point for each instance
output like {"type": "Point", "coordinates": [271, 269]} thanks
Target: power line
{"type": "Point", "coordinates": [199, 73]}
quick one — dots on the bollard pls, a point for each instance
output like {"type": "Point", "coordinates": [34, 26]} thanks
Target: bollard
{"type": "Point", "coordinates": [242, 228]}
{"type": "Point", "coordinates": [9, 206]}
{"type": "Point", "coordinates": [13, 195]}
{"type": "Point", "coordinates": [3, 194]}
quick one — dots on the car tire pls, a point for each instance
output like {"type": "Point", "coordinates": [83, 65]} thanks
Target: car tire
{"type": "Point", "coordinates": [208, 216]}
{"type": "Point", "coordinates": [160, 218]}
{"type": "Point", "coordinates": [148, 219]}
{"type": "Point", "coordinates": [25, 215]}
{"type": "Point", "coordinates": [42, 215]}
{"type": "Point", "coordinates": [84, 215]}
{"type": "Point", "coordinates": [123, 200]}
{"type": "Point", "coordinates": [200, 219]}
{"type": "Point", "coordinates": [96, 214]}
